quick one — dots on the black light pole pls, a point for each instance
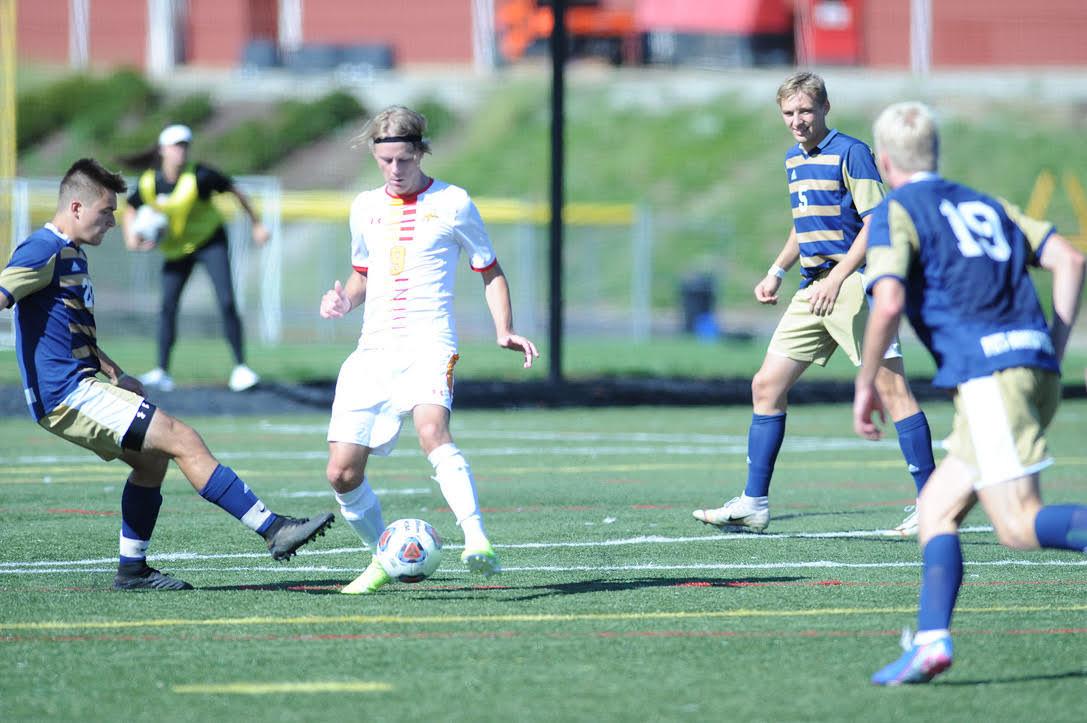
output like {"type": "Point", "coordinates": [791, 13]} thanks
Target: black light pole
{"type": "Point", "coordinates": [558, 65]}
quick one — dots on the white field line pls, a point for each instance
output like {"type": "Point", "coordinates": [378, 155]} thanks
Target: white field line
{"type": "Point", "coordinates": [588, 444]}
{"type": "Point", "coordinates": [109, 564]}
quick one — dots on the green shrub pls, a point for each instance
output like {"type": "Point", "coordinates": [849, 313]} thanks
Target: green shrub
{"type": "Point", "coordinates": [439, 119]}
{"type": "Point", "coordinates": [91, 108]}
{"type": "Point", "coordinates": [258, 145]}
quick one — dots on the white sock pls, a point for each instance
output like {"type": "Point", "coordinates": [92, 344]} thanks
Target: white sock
{"type": "Point", "coordinates": [362, 510]}
{"type": "Point", "coordinates": [756, 503]}
{"type": "Point", "coordinates": [924, 637]}
{"type": "Point", "coordinates": [454, 478]}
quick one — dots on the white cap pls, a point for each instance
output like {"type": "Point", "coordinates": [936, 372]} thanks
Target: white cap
{"type": "Point", "coordinates": [172, 135]}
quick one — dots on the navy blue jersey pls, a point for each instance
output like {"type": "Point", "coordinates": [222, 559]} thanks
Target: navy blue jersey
{"type": "Point", "coordinates": [964, 258]}
{"type": "Point", "coordinates": [56, 341]}
{"type": "Point", "coordinates": [831, 189]}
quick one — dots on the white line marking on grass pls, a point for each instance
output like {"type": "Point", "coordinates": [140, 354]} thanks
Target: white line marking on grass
{"type": "Point", "coordinates": [301, 686]}
{"type": "Point", "coordinates": [96, 564]}
{"type": "Point", "coordinates": [328, 492]}
{"type": "Point", "coordinates": [646, 567]}
{"type": "Point", "coordinates": [9, 566]}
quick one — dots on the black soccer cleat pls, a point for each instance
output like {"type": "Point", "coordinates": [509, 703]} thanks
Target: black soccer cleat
{"type": "Point", "coordinates": [142, 577]}
{"type": "Point", "coordinates": [287, 534]}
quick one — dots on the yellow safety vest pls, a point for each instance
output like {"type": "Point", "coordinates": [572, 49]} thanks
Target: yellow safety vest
{"type": "Point", "coordinates": [192, 220]}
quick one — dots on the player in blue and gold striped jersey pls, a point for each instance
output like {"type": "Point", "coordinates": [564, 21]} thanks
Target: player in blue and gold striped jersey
{"type": "Point", "coordinates": [833, 187]}
{"type": "Point", "coordinates": [48, 283]}
{"type": "Point", "coordinates": [957, 262]}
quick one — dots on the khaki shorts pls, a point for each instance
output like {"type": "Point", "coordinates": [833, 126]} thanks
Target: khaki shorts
{"type": "Point", "coordinates": [101, 417]}
{"type": "Point", "coordinates": [803, 336]}
{"type": "Point", "coordinates": [376, 389]}
{"type": "Point", "coordinates": [1000, 422]}
{"type": "Point", "coordinates": [806, 337]}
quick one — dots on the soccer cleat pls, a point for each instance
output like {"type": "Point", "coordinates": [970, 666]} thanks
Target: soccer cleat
{"type": "Point", "coordinates": [481, 560]}
{"type": "Point", "coordinates": [243, 378]}
{"type": "Point", "coordinates": [287, 534]}
{"type": "Point", "coordinates": [158, 379]}
{"type": "Point", "coordinates": [736, 515]}
{"type": "Point", "coordinates": [919, 664]}
{"type": "Point", "coordinates": [143, 577]}
{"type": "Point", "coordinates": [908, 527]}
{"type": "Point", "coordinates": [372, 578]}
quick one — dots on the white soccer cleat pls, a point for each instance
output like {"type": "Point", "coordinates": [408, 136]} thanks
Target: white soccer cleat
{"type": "Point", "coordinates": [909, 526]}
{"type": "Point", "coordinates": [736, 515]}
{"type": "Point", "coordinates": [158, 379]}
{"type": "Point", "coordinates": [243, 378]}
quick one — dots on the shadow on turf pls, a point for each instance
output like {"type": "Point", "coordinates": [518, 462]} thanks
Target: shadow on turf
{"type": "Point", "coordinates": [312, 587]}
{"type": "Point", "coordinates": [1072, 674]}
{"type": "Point", "coordinates": [534, 592]}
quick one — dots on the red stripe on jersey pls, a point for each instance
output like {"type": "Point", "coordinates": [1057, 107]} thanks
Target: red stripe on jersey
{"type": "Point", "coordinates": [488, 266]}
{"type": "Point", "coordinates": [411, 198]}
{"type": "Point", "coordinates": [361, 269]}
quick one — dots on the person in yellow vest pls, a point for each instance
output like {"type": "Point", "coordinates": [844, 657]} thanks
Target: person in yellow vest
{"type": "Point", "coordinates": [171, 209]}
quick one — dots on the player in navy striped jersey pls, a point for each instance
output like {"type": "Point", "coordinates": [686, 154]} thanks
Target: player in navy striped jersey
{"type": "Point", "coordinates": [833, 186]}
{"type": "Point", "coordinates": [956, 262]}
{"type": "Point", "coordinates": [48, 282]}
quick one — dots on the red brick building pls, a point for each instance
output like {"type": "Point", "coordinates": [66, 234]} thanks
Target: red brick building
{"type": "Point", "coordinates": [222, 33]}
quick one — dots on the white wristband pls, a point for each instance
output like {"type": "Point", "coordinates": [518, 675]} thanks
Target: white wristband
{"type": "Point", "coordinates": [777, 271]}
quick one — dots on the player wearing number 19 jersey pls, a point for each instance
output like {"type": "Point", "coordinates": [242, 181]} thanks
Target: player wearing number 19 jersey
{"type": "Point", "coordinates": [956, 261]}
{"type": "Point", "coordinates": [971, 302]}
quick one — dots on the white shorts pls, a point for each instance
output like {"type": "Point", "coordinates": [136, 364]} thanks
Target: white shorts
{"type": "Point", "coordinates": [101, 417]}
{"type": "Point", "coordinates": [376, 388]}
{"type": "Point", "coordinates": [1000, 422]}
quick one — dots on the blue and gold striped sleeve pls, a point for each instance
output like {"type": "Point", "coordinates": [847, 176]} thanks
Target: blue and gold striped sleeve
{"type": "Point", "coordinates": [19, 279]}
{"type": "Point", "coordinates": [861, 176]}
{"type": "Point", "coordinates": [893, 243]}
{"type": "Point", "coordinates": [1035, 231]}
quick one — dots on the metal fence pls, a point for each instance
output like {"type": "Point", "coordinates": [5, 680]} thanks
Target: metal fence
{"type": "Point", "coordinates": [606, 286]}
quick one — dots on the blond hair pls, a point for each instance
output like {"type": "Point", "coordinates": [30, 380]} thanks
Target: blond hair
{"type": "Point", "coordinates": [907, 133]}
{"type": "Point", "coordinates": [805, 82]}
{"type": "Point", "coordinates": [395, 123]}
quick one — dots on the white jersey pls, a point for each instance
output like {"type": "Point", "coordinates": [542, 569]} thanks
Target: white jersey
{"type": "Point", "coordinates": [408, 248]}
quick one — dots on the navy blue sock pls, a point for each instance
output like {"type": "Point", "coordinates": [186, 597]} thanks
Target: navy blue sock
{"type": "Point", "coordinates": [915, 440]}
{"type": "Point", "coordinates": [940, 581]}
{"type": "Point", "coordinates": [139, 512]}
{"type": "Point", "coordinates": [225, 489]}
{"type": "Point", "coordinates": [1062, 527]}
{"type": "Point", "coordinates": [763, 443]}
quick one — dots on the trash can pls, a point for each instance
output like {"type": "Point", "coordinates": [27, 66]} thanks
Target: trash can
{"type": "Point", "coordinates": [697, 299]}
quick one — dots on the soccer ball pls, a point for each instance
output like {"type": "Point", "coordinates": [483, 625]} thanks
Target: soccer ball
{"type": "Point", "coordinates": [409, 550]}
{"type": "Point", "coordinates": [150, 223]}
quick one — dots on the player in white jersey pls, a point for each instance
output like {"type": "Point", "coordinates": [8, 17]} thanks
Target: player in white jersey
{"type": "Point", "coordinates": [406, 239]}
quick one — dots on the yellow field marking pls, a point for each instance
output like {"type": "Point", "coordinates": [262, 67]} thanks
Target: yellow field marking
{"type": "Point", "coordinates": [534, 618]}
{"type": "Point", "coordinates": [316, 686]}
